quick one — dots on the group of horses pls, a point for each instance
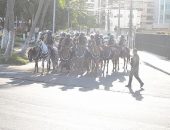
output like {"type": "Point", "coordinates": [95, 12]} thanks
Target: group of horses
{"type": "Point", "coordinates": [80, 54]}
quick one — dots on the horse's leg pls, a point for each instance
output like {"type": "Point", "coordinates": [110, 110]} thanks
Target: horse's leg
{"type": "Point", "coordinates": [124, 62]}
{"type": "Point", "coordinates": [107, 66]}
{"type": "Point", "coordinates": [49, 67]}
{"type": "Point", "coordinates": [35, 67]}
{"type": "Point", "coordinates": [42, 67]}
{"type": "Point", "coordinates": [104, 66]}
{"type": "Point", "coordinates": [113, 62]}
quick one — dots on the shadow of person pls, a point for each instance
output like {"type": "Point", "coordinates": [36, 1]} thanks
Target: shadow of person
{"type": "Point", "coordinates": [137, 94]}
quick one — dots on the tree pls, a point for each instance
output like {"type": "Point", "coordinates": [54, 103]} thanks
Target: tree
{"type": "Point", "coordinates": [37, 16]}
{"type": "Point", "coordinates": [9, 23]}
{"type": "Point", "coordinates": [5, 30]}
{"type": "Point", "coordinates": [44, 13]}
{"type": "Point", "coordinates": [26, 44]}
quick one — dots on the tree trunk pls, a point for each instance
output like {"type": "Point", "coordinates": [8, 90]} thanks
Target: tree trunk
{"type": "Point", "coordinates": [11, 38]}
{"type": "Point", "coordinates": [4, 41]}
{"type": "Point", "coordinates": [37, 16]}
{"type": "Point", "coordinates": [46, 5]}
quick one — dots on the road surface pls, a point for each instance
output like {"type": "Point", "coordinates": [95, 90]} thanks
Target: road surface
{"type": "Point", "coordinates": [69, 102]}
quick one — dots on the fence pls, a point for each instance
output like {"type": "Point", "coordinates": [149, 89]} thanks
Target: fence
{"type": "Point", "coordinates": [158, 44]}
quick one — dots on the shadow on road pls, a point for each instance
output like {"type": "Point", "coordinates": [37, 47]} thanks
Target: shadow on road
{"type": "Point", "coordinates": [108, 80]}
{"type": "Point", "coordinates": [137, 94]}
{"type": "Point", "coordinates": [87, 82]}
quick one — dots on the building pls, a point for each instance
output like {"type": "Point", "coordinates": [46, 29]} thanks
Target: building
{"type": "Point", "coordinates": [124, 18]}
{"type": "Point", "coordinates": [162, 14]}
{"type": "Point", "coordinates": [143, 11]}
{"type": "Point", "coordinates": [147, 10]}
{"type": "Point", "coordinates": [92, 6]}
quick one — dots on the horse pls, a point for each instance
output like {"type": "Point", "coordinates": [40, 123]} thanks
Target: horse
{"type": "Point", "coordinates": [94, 51]}
{"type": "Point", "coordinates": [36, 54]}
{"type": "Point", "coordinates": [106, 55]}
{"type": "Point", "coordinates": [65, 54]}
{"type": "Point", "coordinates": [79, 53]}
{"type": "Point", "coordinates": [125, 54]}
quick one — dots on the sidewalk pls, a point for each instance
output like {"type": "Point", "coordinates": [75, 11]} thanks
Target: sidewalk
{"type": "Point", "coordinates": [157, 62]}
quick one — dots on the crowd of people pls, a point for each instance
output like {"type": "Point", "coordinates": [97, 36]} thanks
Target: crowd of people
{"type": "Point", "coordinates": [86, 53]}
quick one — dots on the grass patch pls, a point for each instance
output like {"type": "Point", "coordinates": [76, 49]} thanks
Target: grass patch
{"type": "Point", "coordinates": [14, 60]}
{"type": "Point", "coordinates": [18, 42]}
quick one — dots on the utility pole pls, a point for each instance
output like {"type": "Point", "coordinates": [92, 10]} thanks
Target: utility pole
{"type": "Point", "coordinates": [108, 21]}
{"type": "Point", "coordinates": [107, 25]}
{"type": "Point", "coordinates": [118, 31]}
{"type": "Point", "coordinates": [54, 8]}
{"type": "Point", "coordinates": [130, 25]}
{"type": "Point", "coordinates": [68, 15]}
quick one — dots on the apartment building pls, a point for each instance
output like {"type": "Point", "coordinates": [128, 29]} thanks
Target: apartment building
{"type": "Point", "coordinates": [162, 14]}
{"type": "Point", "coordinates": [146, 7]}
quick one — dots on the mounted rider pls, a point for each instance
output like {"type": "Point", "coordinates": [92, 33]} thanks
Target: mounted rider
{"type": "Point", "coordinates": [67, 42]}
{"type": "Point", "coordinates": [82, 40]}
{"type": "Point", "coordinates": [111, 41]}
{"type": "Point", "coordinates": [49, 39]}
{"type": "Point", "coordinates": [97, 39]}
{"type": "Point", "coordinates": [122, 44]}
{"type": "Point", "coordinates": [91, 41]}
{"type": "Point", "coordinates": [42, 45]}
{"type": "Point", "coordinates": [122, 41]}
{"type": "Point", "coordinates": [62, 36]}
{"type": "Point", "coordinates": [75, 39]}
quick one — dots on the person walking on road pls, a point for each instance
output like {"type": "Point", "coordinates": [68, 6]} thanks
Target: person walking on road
{"type": "Point", "coordinates": [134, 69]}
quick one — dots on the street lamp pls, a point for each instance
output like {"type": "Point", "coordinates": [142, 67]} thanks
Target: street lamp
{"type": "Point", "coordinates": [107, 25]}
{"type": "Point", "coordinates": [118, 31]}
{"type": "Point", "coordinates": [54, 8]}
{"type": "Point", "coordinates": [130, 25]}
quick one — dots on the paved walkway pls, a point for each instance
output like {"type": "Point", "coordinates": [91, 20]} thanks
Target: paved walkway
{"type": "Point", "coordinates": [158, 62]}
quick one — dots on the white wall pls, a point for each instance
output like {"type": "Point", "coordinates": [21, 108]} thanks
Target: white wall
{"type": "Point", "coordinates": [124, 20]}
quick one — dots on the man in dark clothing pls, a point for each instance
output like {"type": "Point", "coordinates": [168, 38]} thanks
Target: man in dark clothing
{"type": "Point", "coordinates": [134, 69]}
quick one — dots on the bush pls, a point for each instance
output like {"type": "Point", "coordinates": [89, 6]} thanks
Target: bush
{"type": "Point", "coordinates": [14, 60]}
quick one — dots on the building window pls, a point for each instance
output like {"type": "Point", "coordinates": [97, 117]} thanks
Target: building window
{"type": "Point", "coordinates": [149, 17]}
{"type": "Point", "coordinates": [162, 7]}
{"type": "Point", "coordinates": [167, 16]}
{"type": "Point", "coordinates": [149, 10]}
{"type": "Point", "coordinates": [140, 9]}
{"type": "Point", "coordinates": [168, 6]}
{"type": "Point", "coordinates": [149, 23]}
{"type": "Point", "coordinates": [132, 16]}
{"type": "Point", "coordinates": [92, 0]}
{"type": "Point", "coordinates": [118, 15]}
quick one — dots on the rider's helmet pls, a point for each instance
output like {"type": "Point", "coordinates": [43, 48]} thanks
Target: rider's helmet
{"type": "Point", "coordinates": [91, 36]}
{"type": "Point", "coordinates": [122, 37]}
{"type": "Point", "coordinates": [62, 35]}
{"type": "Point", "coordinates": [42, 34]}
{"type": "Point", "coordinates": [77, 34]}
{"type": "Point", "coordinates": [68, 35]}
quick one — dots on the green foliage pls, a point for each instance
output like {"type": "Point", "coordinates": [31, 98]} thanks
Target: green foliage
{"type": "Point", "coordinates": [14, 59]}
{"type": "Point", "coordinates": [61, 3]}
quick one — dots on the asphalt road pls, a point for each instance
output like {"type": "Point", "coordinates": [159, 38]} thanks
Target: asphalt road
{"type": "Point", "coordinates": [62, 102]}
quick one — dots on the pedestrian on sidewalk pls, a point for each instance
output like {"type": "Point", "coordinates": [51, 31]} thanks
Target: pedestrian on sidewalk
{"type": "Point", "coordinates": [134, 69]}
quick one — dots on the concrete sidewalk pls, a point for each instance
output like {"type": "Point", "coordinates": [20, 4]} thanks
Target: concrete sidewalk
{"type": "Point", "coordinates": [157, 62]}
